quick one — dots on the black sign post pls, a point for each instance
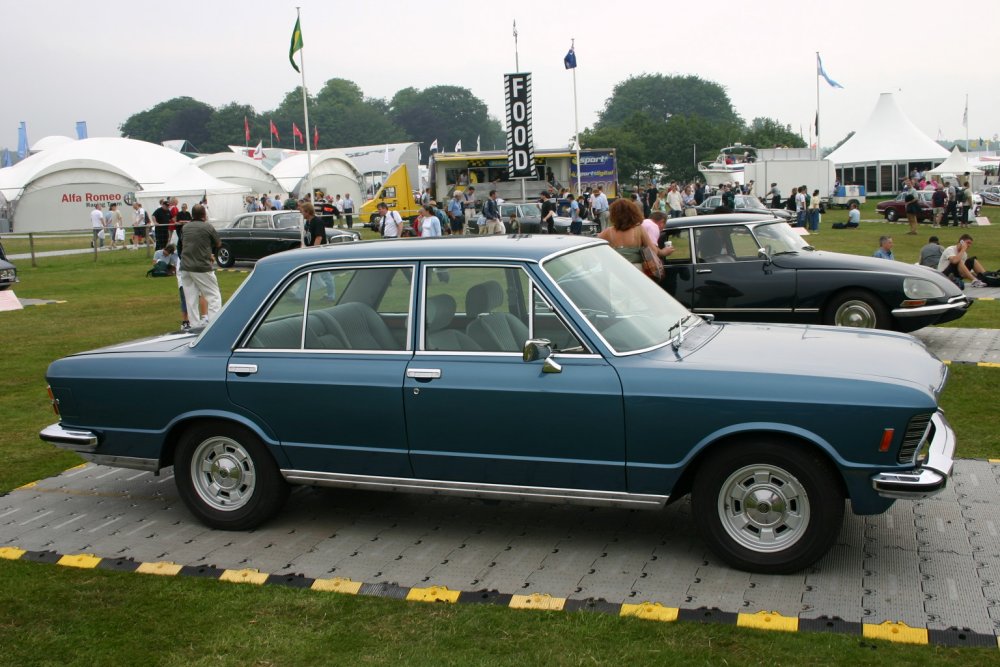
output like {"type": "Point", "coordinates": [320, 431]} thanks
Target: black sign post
{"type": "Point", "coordinates": [520, 144]}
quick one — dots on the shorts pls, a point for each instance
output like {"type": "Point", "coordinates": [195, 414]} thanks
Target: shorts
{"type": "Point", "coordinates": [139, 231]}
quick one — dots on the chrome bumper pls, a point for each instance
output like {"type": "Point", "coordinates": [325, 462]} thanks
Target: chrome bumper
{"type": "Point", "coordinates": [955, 303]}
{"type": "Point", "coordinates": [930, 478]}
{"type": "Point", "coordinates": [73, 440]}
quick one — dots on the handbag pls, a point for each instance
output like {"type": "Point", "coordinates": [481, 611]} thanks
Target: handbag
{"type": "Point", "coordinates": [652, 265]}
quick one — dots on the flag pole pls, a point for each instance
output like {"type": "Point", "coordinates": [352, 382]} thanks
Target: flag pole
{"type": "Point", "coordinates": [819, 149]}
{"type": "Point", "coordinates": [966, 125]}
{"type": "Point", "coordinates": [517, 65]}
{"type": "Point", "coordinates": [305, 113]}
{"type": "Point", "coordinates": [576, 125]}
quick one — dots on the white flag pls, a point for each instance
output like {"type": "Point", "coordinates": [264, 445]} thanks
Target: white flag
{"type": "Point", "coordinates": [965, 116]}
{"type": "Point", "coordinates": [386, 158]}
{"type": "Point", "coordinates": [258, 153]}
{"type": "Point", "coordinates": [434, 145]}
{"type": "Point", "coordinates": [477, 143]}
{"type": "Point", "coordinates": [458, 146]}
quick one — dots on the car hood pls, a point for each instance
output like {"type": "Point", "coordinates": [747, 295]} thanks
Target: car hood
{"type": "Point", "coordinates": [817, 352]}
{"type": "Point", "coordinates": [825, 260]}
{"type": "Point", "coordinates": [163, 343]}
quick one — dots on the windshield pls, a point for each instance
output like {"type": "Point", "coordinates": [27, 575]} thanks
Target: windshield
{"type": "Point", "coordinates": [778, 237]}
{"type": "Point", "coordinates": [288, 220]}
{"type": "Point", "coordinates": [747, 201]}
{"type": "Point", "coordinates": [628, 310]}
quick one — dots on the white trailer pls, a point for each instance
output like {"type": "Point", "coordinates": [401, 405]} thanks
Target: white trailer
{"type": "Point", "coordinates": [789, 174]}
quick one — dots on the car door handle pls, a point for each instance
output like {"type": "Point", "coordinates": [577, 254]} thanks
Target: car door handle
{"type": "Point", "coordinates": [423, 373]}
{"type": "Point", "coordinates": [703, 270]}
{"type": "Point", "coordinates": [242, 369]}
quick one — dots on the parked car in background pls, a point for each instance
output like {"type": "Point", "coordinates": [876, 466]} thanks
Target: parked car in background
{"type": "Point", "coordinates": [8, 272]}
{"type": "Point", "coordinates": [254, 235]}
{"type": "Point", "coordinates": [757, 268]}
{"type": "Point", "coordinates": [990, 195]}
{"type": "Point", "coordinates": [895, 209]}
{"type": "Point", "coordinates": [436, 344]}
{"type": "Point", "coordinates": [744, 204]}
{"type": "Point", "coordinates": [528, 217]}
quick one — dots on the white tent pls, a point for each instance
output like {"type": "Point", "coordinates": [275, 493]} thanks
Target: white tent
{"type": "Point", "coordinates": [51, 141]}
{"type": "Point", "coordinates": [885, 150]}
{"type": "Point", "coordinates": [239, 170]}
{"type": "Point", "coordinates": [190, 185]}
{"type": "Point", "coordinates": [56, 188]}
{"type": "Point", "coordinates": [332, 172]}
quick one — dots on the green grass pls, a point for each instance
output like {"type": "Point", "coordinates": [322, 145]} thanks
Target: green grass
{"type": "Point", "coordinates": [59, 616]}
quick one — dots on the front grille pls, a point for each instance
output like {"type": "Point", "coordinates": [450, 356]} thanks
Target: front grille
{"type": "Point", "coordinates": [916, 430]}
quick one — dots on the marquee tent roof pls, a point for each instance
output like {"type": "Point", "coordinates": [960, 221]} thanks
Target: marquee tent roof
{"type": "Point", "coordinates": [955, 164]}
{"type": "Point", "coordinates": [239, 169]}
{"type": "Point", "coordinates": [888, 136]}
{"type": "Point", "coordinates": [50, 141]}
{"type": "Point", "coordinates": [332, 163]}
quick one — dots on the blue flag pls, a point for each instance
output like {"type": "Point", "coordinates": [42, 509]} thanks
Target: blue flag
{"type": "Point", "coordinates": [81, 129]}
{"type": "Point", "coordinates": [822, 72]}
{"type": "Point", "coordinates": [570, 60]}
{"type": "Point", "coordinates": [22, 141]}
{"type": "Point", "coordinates": [5, 161]}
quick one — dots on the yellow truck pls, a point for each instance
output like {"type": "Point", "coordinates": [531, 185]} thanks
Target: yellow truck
{"type": "Point", "coordinates": [397, 193]}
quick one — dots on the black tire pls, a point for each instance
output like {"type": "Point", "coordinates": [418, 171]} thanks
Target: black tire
{"type": "Point", "coordinates": [857, 308]}
{"type": "Point", "coordinates": [855, 202]}
{"type": "Point", "coordinates": [224, 257]}
{"type": "Point", "coordinates": [891, 215]}
{"type": "Point", "coordinates": [768, 506]}
{"type": "Point", "coordinates": [242, 486]}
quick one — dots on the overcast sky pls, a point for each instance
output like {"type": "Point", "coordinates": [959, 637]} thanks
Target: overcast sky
{"type": "Point", "coordinates": [101, 62]}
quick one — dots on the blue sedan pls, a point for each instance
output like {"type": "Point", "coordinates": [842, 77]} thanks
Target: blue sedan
{"type": "Point", "coordinates": [524, 367]}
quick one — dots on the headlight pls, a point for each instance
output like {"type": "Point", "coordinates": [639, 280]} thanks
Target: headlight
{"type": "Point", "coordinates": [8, 274]}
{"type": "Point", "coordinates": [918, 288]}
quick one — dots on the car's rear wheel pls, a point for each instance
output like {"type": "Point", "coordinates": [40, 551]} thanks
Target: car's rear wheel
{"type": "Point", "coordinates": [224, 257]}
{"type": "Point", "coordinates": [856, 308]}
{"type": "Point", "coordinates": [855, 202]}
{"type": "Point", "coordinates": [891, 215]}
{"type": "Point", "coordinates": [767, 506]}
{"type": "Point", "coordinates": [226, 476]}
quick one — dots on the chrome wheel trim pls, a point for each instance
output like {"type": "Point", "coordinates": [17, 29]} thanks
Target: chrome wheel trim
{"type": "Point", "coordinates": [764, 508]}
{"type": "Point", "coordinates": [855, 313]}
{"type": "Point", "coordinates": [223, 473]}
{"type": "Point", "coordinates": [223, 255]}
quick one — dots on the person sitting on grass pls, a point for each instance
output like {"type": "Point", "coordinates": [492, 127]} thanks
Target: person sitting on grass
{"type": "Point", "coordinates": [956, 265]}
{"type": "Point", "coordinates": [884, 250]}
{"type": "Point", "coordinates": [930, 254]}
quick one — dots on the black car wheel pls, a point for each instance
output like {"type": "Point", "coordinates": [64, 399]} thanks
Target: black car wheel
{"type": "Point", "coordinates": [226, 476]}
{"type": "Point", "coordinates": [224, 257]}
{"type": "Point", "coordinates": [891, 215]}
{"type": "Point", "coordinates": [857, 308]}
{"type": "Point", "coordinates": [767, 506]}
{"type": "Point", "coordinates": [855, 202]}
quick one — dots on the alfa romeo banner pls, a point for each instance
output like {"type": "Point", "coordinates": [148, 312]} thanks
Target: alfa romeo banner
{"type": "Point", "coordinates": [520, 145]}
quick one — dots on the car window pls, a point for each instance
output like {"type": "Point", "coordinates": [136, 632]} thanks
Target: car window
{"type": "Point", "coordinates": [243, 223]}
{"type": "Point", "coordinates": [507, 210]}
{"type": "Point", "coordinates": [713, 202]}
{"type": "Point", "coordinates": [547, 324]}
{"type": "Point", "coordinates": [476, 309]}
{"type": "Point", "coordinates": [778, 237]}
{"type": "Point", "coordinates": [345, 310]}
{"type": "Point", "coordinates": [681, 240]}
{"type": "Point", "coordinates": [742, 243]}
{"type": "Point", "coordinates": [260, 222]}
{"type": "Point", "coordinates": [291, 220]}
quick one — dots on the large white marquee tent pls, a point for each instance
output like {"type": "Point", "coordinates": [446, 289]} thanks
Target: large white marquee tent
{"type": "Point", "coordinates": [885, 150]}
{"type": "Point", "coordinates": [239, 170]}
{"type": "Point", "coordinates": [55, 189]}
{"type": "Point", "coordinates": [332, 172]}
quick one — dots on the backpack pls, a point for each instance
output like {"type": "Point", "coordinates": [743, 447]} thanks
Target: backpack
{"type": "Point", "coordinates": [991, 278]}
{"type": "Point", "coordinates": [162, 269]}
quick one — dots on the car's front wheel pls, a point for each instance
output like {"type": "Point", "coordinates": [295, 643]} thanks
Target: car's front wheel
{"type": "Point", "coordinates": [224, 257]}
{"type": "Point", "coordinates": [891, 215]}
{"type": "Point", "coordinates": [226, 476]}
{"type": "Point", "coordinates": [857, 308]}
{"type": "Point", "coordinates": [767, 507]}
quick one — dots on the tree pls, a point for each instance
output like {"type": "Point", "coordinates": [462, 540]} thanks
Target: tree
{"type": "Point", "coordinates": [178, 118]}
{"type": "Point", "coordinates": [446, 113]}
{"type": "Point", "coordinates": [225, 128]}
{"type": "Point", "coordinates": [770, 133]}
{"type": "Point", "coordinates": [661, 96]}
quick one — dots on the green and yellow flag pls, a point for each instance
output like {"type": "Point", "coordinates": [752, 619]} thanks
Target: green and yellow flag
{"type": "Point", "coordinates": [296, 44]}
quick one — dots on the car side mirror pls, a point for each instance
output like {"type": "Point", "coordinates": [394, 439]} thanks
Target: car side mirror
{"type": "Point", "coordinates": [762, 254]}
{"type": "Point", "coordinates": [540, 348]}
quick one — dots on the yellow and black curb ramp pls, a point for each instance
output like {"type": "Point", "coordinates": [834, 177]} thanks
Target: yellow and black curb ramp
{"type": "Point", "coordinates": [651, 611]}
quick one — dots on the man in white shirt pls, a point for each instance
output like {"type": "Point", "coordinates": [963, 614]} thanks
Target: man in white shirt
{"type": "Point", "coordinates": [390, 222]}
{"type": "Point", "coordinates": [675, 201]}
{"type": "Point", "coordinates": [599, 205]}
{"type": "Point", "coordinates": [97, 223]}
{"type": "Point", "coordinates": [348, 210]}
{"type": "Point", "coordinates": [956, 264]}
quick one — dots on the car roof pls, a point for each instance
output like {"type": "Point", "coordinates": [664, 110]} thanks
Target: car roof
{"type": "Point", "coordinates": [529, 247]}
{"type": "Point", "coordinates": [719, 220]}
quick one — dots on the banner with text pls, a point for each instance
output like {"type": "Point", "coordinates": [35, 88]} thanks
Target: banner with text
{"type": "Point", "coordinates": [597, 168]}
{"type": "Point", "coordinates": [520, 144]}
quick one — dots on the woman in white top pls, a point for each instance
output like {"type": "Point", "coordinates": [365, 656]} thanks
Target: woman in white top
{"type": "Point", "coordinates": [429, 223]}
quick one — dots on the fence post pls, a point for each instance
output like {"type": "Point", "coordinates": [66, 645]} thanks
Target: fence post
{"type": "Point", "coordinates": [94, 243]}
{"type": "Point", "coordinates": [31, 248]}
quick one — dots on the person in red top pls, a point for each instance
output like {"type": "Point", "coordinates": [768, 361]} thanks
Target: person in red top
{"type": "Point", "coordinates": [173, 214]}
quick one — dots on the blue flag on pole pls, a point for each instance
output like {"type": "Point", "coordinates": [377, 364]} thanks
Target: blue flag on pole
{"type": "Point", "coordinates": [822, 72]}
{"type": "Point", "coordinates": [81, 129]}
{"type": "Point", "coordinates": [22, 141]}
{"type": "Point", "coordinates": [570, 60]}
{"type": "Point", "coordinates": [5, 161]}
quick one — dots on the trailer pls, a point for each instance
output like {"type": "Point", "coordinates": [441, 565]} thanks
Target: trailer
{"type": "Point", "coordinates": [788, 174]}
